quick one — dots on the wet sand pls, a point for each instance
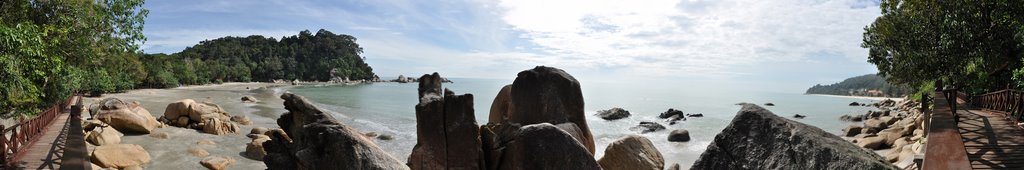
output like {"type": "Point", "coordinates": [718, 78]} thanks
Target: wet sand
{"type": "Point", "coordinates": [172, 153]}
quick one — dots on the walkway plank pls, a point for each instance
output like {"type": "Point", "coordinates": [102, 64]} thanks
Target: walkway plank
{"type": "Point", "coordinates": [991, 141]}
{"type": "Point", "coordinates": [46, 152]}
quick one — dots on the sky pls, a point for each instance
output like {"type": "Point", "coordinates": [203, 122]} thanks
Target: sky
{"type": "Point", "coordinates": [766, 45]}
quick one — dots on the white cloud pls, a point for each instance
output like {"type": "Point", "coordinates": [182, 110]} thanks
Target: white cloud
{"type": "Point", "coordinates": [689, 36]}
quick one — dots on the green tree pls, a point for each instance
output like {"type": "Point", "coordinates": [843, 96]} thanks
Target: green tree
{"type": "Point", "coordinates": [974, 45]}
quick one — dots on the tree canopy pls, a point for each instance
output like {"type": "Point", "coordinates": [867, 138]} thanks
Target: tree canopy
{"type": "Point", "coordinates": [51, 48]}
{"type": "Point", "coordinates": [305, 56]}
{"type": "Point", "coordinates": [973, 45]}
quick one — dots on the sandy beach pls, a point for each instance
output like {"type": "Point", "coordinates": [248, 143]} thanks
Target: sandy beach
{"type": "Point", "coordinates": [173, 153]}
{"type": "Point", "coordinates": [861, 97]}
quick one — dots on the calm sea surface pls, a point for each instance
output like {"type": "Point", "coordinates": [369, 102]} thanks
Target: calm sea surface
{"type": "Point", "coordinates": [389, 108]}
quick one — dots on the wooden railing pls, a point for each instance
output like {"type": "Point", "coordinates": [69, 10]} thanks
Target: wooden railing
{"type": "Point", "coordinates": [1006, 102]}
{"type": "Point", "coordinates": [26, 132]}
{"type": "Point", "coordinates": [945, 148]}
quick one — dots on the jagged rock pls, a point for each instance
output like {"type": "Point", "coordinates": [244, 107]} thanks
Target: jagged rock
{"type": "Point", "coordinates": [852, 130]}
{"type": "Point", "coordinates": [204, 111]}
{"type": "Point", "coordinates": [671, 112]}
{"type": "Point", "coordinates": [243, 120]}
{"type": "Point", "coordinates": [549, 95]}
{"type": "Point", "coordinates": [632, 152]}
{"type": "Point", "coordinates": [104, 136]}
{"type": "Point", "coordinates": [219, 127]}
{"type": "Point", "coordinates": [254, 149]}
{"type": "Point", "coordinates": [613, 114]}
{"type": "Point", "coordinates": [126, 117]}
{"type": "Point", "coordinates": [534, 146]}
{"type": "Point", "coordinates": [798, 116]}
{"type": "Point", "coordinates": [679, 135]}
{"type": "Point", "coordinates": [647, 127]}
{"type": "Point", "coordinates": [759, 139]}
{"type": "Point", "coordinates": [119, 155]}
{"type": "Point", "coordinates": [443, 121]}
{"type": "Point", "coordinates": [217, 162]}
{"type": "Point", "coordinates": [695, 115]}
{"type": "Point", "coordinates": [315, 140]}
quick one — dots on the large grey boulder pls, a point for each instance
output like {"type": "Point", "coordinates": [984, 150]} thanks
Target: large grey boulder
{"type": "Point", "coordinates": [535, 146]}
{"type": "Point", "coordinates": [759, 139]}
{"type": "Point", "coordinates": [315, 140]}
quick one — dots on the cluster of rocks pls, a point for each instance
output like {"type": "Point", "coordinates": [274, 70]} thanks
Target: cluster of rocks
{"type": "Point", "coordinates": [672, 116]}
{"type": "Point", "coordinates": [204, 116]}
{"type": "Point", "coordinates": [103, 131]}
{"type": "Point", "coordinates": [537, 122]}
{"type": "Point", "coordinates": [758, 139]}
{"type": "Point", "coordinates": [310, 138]}
{"type": "Point", "coordinates": [897, 126]}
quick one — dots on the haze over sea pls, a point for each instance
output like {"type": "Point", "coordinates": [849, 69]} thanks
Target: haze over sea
{"type": "Point", "coordinates": [389, 108]}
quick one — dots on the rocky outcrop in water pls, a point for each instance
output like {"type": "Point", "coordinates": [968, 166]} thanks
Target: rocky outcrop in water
{"type": "Point", "coordinates": [613, 114]}
{"type": "Point", "coordinates": [315, 140]}
{"type": "Point", "coordinates": [448, 135]}
{"type": "Point", "coordinates": [535, 123]}
{"type": "Point", "coordinates": [759, 139]}
{"type": "Point", "coordinates": [632, 152]}
{"type": "Point", "coordinates": [125, 117]}
{"type": "Point", "coordinates": [548, 95]}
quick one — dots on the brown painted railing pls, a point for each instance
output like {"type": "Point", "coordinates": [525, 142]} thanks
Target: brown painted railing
{"type": "Point", "coordinates": [26, 132]}
{"type": "Point", "coordinates": [945, 148]}
{"type": "Point", "coordinates": [1007, 102]}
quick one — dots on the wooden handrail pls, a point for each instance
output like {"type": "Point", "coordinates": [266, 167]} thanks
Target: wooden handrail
{"type": "Point", "coordinates": [945, 148]}
{"type": "Point", "coordinates": [1008, 102]}
{"type": "Point", "coordinates": [26, 132]}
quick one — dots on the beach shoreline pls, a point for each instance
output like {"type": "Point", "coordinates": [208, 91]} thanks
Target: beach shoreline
{"type": "Point", "coordinates": [860, 97]}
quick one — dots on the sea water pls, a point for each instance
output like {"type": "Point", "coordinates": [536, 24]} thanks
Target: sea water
{"type": "Point", "coordinates": [389, 109]}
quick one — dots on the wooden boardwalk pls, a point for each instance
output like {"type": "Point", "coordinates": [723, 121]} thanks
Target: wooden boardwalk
{"type": "Point", "coordinates": [991, 141]}
{"type": "Point", "coordinates": [47, 152]}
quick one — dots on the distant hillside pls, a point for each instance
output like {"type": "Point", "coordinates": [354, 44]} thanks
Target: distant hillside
{"type": "Point", "coordinates": [866, 85]}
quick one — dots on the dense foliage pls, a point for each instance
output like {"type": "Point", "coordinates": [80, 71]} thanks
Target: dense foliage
{"type": "Point", "coordinates": [860, 85]}
{"type": "Point", "coordinates": [256, 58]}
{"type": "Point", "coordinates": [973, 45]}
{"type": "Point", "coordinates": [49, 49]}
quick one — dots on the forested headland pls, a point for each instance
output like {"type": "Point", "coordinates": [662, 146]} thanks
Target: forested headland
{"type": "Point", "coordinates": [51, 49]}
{"type": "Point", "coordinates": [305, 56]}
{"type": "Point", "coordinates": [865, 85]}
